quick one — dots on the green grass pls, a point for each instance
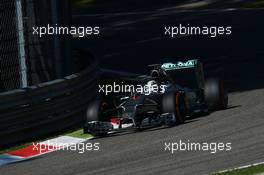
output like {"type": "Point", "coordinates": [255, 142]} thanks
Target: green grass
{"type": "Point", "coordinates": [82, 3]}
{"type": "Point", "coordinates": [253, 170]}
{"type": "Point", "coordinates": [13, 148]}
{"type": "Point", "coordinates": [255, 4]}
{"type": "Point", "coordinates": [79, 133]}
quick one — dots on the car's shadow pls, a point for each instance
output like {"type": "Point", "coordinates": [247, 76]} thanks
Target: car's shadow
{"type": "Point", "coordinates": [192, 119]}
{"type": "Point", "coordinates": [200, 115]}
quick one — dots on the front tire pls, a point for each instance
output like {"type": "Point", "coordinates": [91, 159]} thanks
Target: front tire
{"type": "Point", "coordinates": [96, 111]}
{"type": "Point", "coordinates": [174, 103]}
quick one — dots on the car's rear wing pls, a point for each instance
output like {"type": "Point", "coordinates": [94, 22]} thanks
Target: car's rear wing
{"type": "Point", "coordinates": [190, 64]}
{"type": "Point", "coordinates": [179, 65]}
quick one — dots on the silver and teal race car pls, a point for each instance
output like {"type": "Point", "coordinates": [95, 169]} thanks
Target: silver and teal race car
{"type": "Point", "coordinates": [181, 91]}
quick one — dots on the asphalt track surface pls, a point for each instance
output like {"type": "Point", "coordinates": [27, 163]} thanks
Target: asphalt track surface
{"type": "Point", "coordinates": [144, 152]}
{"type": "Point", "coordinates": [240, 60]}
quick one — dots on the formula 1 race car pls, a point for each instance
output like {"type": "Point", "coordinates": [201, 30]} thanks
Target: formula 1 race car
{"type": "Point", "coordinates": [181, 91]}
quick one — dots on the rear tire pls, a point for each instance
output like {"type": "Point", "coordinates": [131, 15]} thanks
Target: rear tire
{"type": "Point", "coordinates": [174, 103]}
{"type": "Point", "coordinates": [215, 94]}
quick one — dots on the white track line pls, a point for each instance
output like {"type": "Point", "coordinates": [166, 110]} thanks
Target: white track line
{"type": "Point", "coordinates": [241, 167]}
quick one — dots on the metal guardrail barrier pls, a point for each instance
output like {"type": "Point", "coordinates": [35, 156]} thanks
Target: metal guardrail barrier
{"type": "Point", "coordinates": [46, 108]}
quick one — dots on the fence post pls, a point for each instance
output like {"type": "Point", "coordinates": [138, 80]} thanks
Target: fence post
{"type": "Point", "coordinates": [57, 44]}
{"type": "Point", "coordinates": [21, 44]}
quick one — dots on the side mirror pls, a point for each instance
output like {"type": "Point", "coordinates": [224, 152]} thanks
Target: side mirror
{"type": "Point", "coordinates": [123, 99]}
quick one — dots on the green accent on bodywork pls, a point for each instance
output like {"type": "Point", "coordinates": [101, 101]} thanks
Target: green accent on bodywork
{"type": "Point", "coordinates": [179, 65]}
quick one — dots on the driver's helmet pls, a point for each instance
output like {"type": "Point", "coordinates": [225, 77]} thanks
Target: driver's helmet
{"type": "Point", "coordinates": [155, 74]}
